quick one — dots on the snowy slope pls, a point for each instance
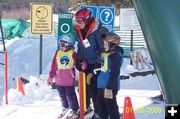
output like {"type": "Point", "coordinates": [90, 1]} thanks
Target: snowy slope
{"type": "Point", "coordinates": [23, 59]}
{"type": "Point", "coordinates": [41, 102]}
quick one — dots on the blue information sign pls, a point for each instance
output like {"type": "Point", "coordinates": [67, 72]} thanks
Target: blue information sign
{"type": "Point", "coordinates": [94, 10]}
{"type": "Point", "coordinates": [106, 17]}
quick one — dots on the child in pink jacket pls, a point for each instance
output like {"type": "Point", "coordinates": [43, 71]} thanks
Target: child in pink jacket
{"type": "Point", "coordinates": [63, 70]}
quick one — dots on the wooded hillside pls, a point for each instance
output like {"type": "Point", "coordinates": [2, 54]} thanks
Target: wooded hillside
{"type": "Point", "coordinates": [21, 8]}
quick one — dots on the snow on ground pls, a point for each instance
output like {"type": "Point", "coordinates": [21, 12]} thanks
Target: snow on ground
{"type": "Point", "coordinates": [23, 59]}
{"type": "Point", "coordinates": [41, 102]}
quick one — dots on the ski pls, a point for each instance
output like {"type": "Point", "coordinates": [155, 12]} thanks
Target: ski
{"type": "Point", "coordinates": [124, 77]}
{"type": "Point", "coordinates": [142, 73]}
{"type": "Point", "coordinates": [61, 117]}
{"type": "Point", "coordinates": [88, 113]}
{"type": "Point", "coordinates": [157, 99]}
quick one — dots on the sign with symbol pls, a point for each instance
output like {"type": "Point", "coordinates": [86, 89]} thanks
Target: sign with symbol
{"type": "Point", "coordinates": [41, 18]}
{"type": "Point", "coordinates": [65, 23]}
{"type": "Point", "coordinates": [94, 10]}
{"type": "Point", "coordinates": [41, 12]}
{"type": "Point", "coordinates": [128, 19]}
{"type": "Point", "coordinates": [106, 17]}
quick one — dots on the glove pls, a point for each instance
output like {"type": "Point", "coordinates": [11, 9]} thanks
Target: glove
{"type": "Point", "coordinates": [108, 93]}
{"type": "Point", "coordinates": [49, 81]}
{"type": "Point", "coordinates": [89, 77]}
{"type": "Point", "coordinates": [83, 65]}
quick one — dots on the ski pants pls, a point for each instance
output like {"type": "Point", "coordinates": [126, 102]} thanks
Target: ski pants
{"type": "Point", "coordinates": [107, 107]}
{"type": "Point", "coordinates": [68, 97]}
{"type": "Point", "coordinates": [92, 93]}
{"type": "Point", "coordinates": [91, 90]}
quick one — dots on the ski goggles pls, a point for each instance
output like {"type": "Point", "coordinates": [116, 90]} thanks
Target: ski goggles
{"type": "Point", "coordinates": [63, 44]}
{"type": "Point", "coordinates": [79, 21]}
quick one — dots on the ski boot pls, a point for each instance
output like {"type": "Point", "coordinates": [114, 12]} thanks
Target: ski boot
{"type": "Point", "coordinates": [96, 116]}
{"type": "Point", "coordinates": [63, 113]}
{"type": "Point", "coordinates": [89, 110]}
{"type": "Point", "coordinates": [76, 115]}
{"type": "Point", "coordinates": [70, 115]}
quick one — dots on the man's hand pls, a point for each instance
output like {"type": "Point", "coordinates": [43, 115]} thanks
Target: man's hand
{"type": "Point", "coordinates": [108, 94]}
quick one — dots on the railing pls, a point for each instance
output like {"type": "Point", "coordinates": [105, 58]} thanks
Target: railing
{"type": "Point", "coordinates": [138, 41]}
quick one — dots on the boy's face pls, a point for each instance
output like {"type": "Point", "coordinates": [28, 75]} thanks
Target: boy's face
{"type": "Point", "coordinates": [106, 46]}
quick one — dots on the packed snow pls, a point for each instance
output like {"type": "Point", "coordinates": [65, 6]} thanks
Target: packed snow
{"type": "Point", "coordinates": [43, 102]}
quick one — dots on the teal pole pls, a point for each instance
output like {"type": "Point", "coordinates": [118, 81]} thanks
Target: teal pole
{"type": "Point", "coordinates": [160, 22]}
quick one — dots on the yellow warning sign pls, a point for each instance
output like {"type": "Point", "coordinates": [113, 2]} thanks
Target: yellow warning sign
{"type": "Point", "coordinates": [41, 18]}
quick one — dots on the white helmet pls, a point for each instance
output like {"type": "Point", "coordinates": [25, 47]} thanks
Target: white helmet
{"type": "Point", "coordinates": [67, 39]}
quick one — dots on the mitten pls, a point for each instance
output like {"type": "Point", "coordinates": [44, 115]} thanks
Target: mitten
{"type": "Point", "coordinates": [49, 81]}
{"type": "Point", "coordinates": [89, 77]}
{"type": "Point", "coordinates": [108, 93]}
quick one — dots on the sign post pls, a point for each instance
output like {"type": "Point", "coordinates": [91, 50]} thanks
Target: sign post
{"type": "Point", "coordinates": [40, 56]}
{"type": "Point", "coordinates": [41, 23]}
{"type": "Point", "coordinates": [64, 25]}
{"type": "Point", "coordinates": [129, 21]}
{"type": "Point", "coordinates": [106, 17]}
{"type": "Point", "coordinates": [104, 14]}
{"type": "Point", "coordinates": [41, 18]}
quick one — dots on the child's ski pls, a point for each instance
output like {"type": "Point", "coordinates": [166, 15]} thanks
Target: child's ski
{"type": "Point", "coordinates": [63, 114]}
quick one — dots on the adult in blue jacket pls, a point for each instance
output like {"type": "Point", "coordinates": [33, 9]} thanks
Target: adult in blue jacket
{"type": "Point", "coordinates": [109, 77]}
{"type": "Point", "coordinates": [90, 46]}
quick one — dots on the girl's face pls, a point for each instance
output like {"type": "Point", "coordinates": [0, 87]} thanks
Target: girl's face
{"type": "Point", "coordinates": [106, 46]}
{"type": "Point", "coordinates": [63, 46]}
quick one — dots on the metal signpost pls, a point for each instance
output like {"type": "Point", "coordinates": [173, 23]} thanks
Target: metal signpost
{"type": "Point", "coordinates": [104, 14]}
{"type": "Point", "coordinates": [41, 23]}
{"type": "Point", "coordinates": [64, 25]}
{"type": "Point", "coordinates": [106, 17]}
{"type": "Point", "coordinates": [129, 21]}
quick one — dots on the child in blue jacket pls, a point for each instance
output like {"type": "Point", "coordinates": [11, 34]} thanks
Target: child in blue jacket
{"type": "Point", "coordinates": [108, 82]}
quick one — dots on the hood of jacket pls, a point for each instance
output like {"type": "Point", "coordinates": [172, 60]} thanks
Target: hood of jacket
{"type": "Point", "coordinates": [117, 49]}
